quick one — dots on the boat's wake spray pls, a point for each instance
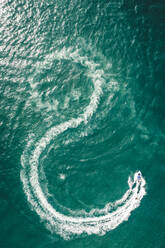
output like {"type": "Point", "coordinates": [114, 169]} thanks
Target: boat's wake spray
{"type": "Point", "coordinates": [66, 225]}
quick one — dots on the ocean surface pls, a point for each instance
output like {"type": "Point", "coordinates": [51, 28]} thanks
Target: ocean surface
{"type": "Point", "coordinates": [82, 112]}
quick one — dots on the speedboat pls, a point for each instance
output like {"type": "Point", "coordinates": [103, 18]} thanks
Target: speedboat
{"type": "Point", "coordinates": [139, 176]}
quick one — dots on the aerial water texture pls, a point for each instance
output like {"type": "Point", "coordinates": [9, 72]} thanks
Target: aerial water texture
{"type": "Point", "coordinates": [82, 126]}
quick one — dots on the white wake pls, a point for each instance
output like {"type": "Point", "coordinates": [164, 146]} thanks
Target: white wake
{"type": "Point", "coordinates": [113, 214]}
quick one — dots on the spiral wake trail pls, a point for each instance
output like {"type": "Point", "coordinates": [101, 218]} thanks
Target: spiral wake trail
{"type": "Point", "coordinates": [112, 214]}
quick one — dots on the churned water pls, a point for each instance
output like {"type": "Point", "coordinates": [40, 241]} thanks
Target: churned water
{"type": "Point", "coordinates": [81, 115]}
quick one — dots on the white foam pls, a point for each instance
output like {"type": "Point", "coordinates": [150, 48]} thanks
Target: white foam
{"type": "Point", "coordinates": [62, 176]}
{"type": "Point", "coordinates": [97, 221]}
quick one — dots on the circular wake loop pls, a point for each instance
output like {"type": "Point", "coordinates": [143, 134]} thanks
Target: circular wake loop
{"type": "Point", "coordinates": [112, 214]}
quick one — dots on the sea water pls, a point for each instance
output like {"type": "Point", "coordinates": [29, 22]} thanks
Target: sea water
{"type": "Point", "coordinates": [81, 114]}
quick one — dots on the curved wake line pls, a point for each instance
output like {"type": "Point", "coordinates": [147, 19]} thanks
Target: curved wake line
{"type": "Point", "coordinates": [58, 222]}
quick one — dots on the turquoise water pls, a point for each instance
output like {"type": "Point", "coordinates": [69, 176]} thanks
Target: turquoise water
{"type": "Point", "coordinates": [82, 111]}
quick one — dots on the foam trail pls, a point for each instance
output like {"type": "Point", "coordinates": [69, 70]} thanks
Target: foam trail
{"type": "Point", "coordinates": [112, 214]}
